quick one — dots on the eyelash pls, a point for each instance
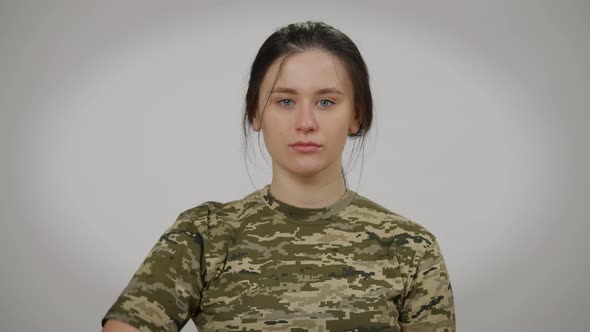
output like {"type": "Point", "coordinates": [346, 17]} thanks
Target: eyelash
{"type": "Point", "coordinates": [280, 102]}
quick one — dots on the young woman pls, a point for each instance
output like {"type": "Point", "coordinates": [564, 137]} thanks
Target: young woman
{"type": "Point", "coordinates": [303, 253]}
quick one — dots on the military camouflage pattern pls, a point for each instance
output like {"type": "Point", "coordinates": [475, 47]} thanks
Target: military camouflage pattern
{"type": "Point", "coordinates": [259, 264]}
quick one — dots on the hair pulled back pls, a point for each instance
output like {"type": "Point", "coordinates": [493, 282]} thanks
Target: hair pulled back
{"type": "Point", "coordinates": [305, 36]}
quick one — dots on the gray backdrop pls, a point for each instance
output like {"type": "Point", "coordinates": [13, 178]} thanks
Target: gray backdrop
{"type": "Point", "coordinates": [118, 115]}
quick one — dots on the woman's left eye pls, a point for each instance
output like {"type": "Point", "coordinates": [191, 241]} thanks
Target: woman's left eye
{"type": "Point", "coordinates": [329, 102]}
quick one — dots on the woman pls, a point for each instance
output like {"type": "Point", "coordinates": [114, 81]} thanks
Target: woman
{"type": "Point", "coordinates": [304, 253]}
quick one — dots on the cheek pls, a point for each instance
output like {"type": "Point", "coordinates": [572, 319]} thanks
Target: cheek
{"type": "Point", "coordinates": [274, 132]}
{"type": "Point", "coordinates": [338, 127]}
{"type": "Point", "coordinates": [341, 135]}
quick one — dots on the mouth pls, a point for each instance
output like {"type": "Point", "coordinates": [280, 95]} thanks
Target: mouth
{"type": "Point", "coordinates": [305, 146]}
{"type": "Point", "coordinates": [307, 143]}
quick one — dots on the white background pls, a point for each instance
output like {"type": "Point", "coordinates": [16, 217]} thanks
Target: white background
{"type": "Point", "coordinates": [118, 115]}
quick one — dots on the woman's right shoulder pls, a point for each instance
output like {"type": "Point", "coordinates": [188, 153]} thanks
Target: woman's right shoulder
{"type": "Point", "coordinates": [196, 218]}
{"type": "Point", "coordinates": [214, 217]}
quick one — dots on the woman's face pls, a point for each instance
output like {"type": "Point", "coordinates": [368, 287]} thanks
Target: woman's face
{"type": "Point", "coordinates": [311, 102]}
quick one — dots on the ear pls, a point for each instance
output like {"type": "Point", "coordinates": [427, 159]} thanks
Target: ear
{"type": "Point", "coordinates": [255, 123]}
{"type": "Point", "coordinates": [354, 126]}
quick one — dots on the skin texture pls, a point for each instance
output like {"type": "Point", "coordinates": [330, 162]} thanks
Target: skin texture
{"type": "Point", "coordinates": [113, 325]}
{"type": "Point", "coordinates": [307, 179]}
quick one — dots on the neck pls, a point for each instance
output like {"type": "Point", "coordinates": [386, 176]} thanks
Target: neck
{"type": "Point", "coordinates": [317, 191]}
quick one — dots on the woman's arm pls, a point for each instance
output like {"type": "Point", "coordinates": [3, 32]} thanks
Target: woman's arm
{"type": "Point", "coordinates": [113, 325]}
{"type": "Point", "coordinates": [429, 304]}
{"type": "Point", "coordinates": [164, 292]}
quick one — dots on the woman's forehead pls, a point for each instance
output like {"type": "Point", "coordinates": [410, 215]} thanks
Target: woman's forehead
{"type": "Point", "coordinates": [308, 71]}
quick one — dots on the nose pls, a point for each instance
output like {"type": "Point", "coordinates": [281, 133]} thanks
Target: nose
{"type": "Point", "coordinates": [306, 120]}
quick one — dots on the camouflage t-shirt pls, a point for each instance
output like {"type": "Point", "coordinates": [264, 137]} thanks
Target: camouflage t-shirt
{"type": "Point", "coordinates": [260, 264]}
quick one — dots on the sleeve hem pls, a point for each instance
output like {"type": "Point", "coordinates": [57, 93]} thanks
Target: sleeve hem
{"type": "Point", "coordinates": [135, 322]}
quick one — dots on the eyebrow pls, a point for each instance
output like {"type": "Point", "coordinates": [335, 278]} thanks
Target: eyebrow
{"type": "Point", "coordinates": [292, 91]}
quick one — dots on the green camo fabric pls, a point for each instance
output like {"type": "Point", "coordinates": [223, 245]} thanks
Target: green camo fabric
{"type": "Point", "coordinates": [259, 264]}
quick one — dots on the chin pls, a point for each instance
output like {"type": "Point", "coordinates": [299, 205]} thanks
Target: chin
{"type": "Point", "coordinates": [304, 166]}
{"type": "Point", "coordinates": [306, 173]}
{"type": "Point", "coordinates": [306, 170]}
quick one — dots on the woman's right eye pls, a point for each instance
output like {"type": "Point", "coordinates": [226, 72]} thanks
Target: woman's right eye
{"type": "Point", "coordinates": [290, 102]}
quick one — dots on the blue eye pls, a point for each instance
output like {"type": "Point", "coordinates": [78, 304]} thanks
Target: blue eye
{"type": "Point", "coordinates": [323, 104]}
{"type": "Point", "coordinates": [289, 100]}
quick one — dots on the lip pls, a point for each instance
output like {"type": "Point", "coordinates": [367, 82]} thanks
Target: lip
{"type": "Point", "coordinates": [307, 143]}
{"type": "Point", "coordinates": [306, 146]}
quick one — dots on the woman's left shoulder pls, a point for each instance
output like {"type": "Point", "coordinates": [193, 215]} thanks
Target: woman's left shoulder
{"type": "Point", "coordinates": [386, 223]}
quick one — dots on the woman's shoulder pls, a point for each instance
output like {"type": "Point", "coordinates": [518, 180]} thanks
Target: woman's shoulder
{"type": "Point", "coordinates": [389, 225]}
{"type": "Point", "coordinates": [215, 217]}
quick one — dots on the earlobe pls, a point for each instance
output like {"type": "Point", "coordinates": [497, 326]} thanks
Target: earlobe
{"type": "Point", "coordinates": [255, 124]}
{"type": "Point", "coordinates": [354, 126]}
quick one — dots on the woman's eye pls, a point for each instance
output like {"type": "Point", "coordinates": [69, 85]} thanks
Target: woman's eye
{"type": "Point", "coordinates": [326, 102]}
{"type": "Point", "coordinates": [289, 102]}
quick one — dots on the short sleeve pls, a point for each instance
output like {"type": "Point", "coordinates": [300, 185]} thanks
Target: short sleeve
{"type": "Point", "coordinates": [429, 305]}
{"type": "Point", "coordinates": [164, 292]}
